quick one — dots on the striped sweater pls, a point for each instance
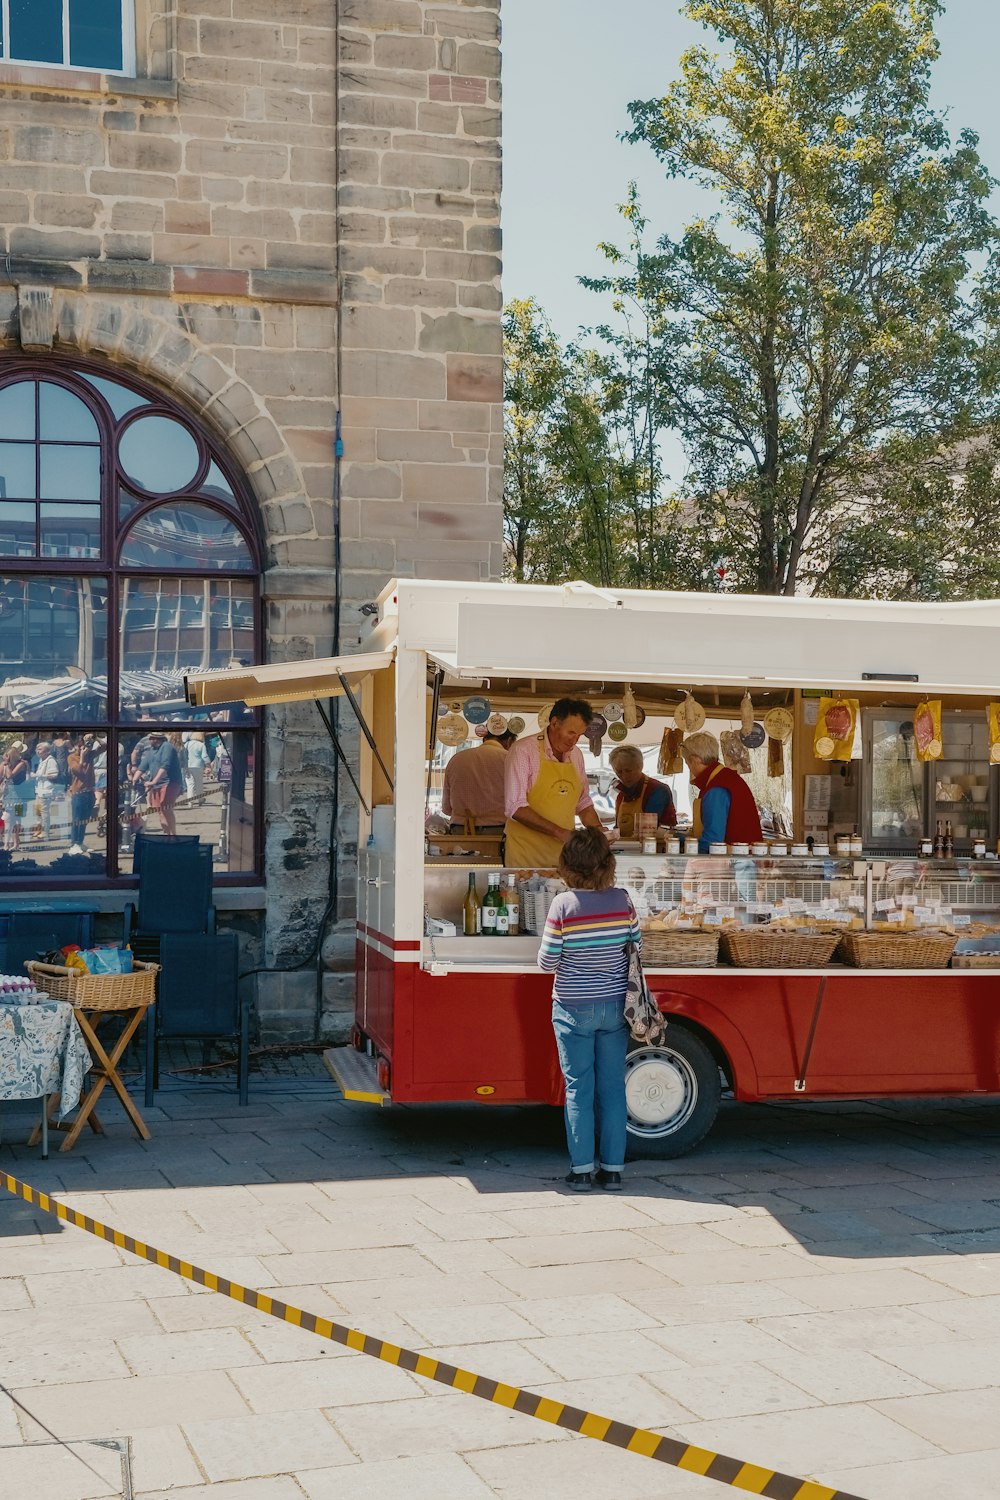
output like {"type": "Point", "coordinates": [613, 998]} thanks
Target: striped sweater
{"type": "Point", "coordinates": [584, 945]}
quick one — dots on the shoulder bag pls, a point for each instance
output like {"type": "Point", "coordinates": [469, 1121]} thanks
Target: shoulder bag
{"type": "Point", "coordinates": [643, 1016]}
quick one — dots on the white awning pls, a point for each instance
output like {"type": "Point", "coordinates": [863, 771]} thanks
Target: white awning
{"type": "Point", "coordinates": [283, 682]}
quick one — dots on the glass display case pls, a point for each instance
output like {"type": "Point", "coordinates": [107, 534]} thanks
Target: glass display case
{"type": "Point", "coordinates": [960, 783]}
{"type": "Point", "coordinates": [706, 891]}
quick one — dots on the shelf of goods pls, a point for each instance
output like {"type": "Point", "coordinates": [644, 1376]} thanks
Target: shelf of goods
{"type": "Point", "coordinates": [749, 913]}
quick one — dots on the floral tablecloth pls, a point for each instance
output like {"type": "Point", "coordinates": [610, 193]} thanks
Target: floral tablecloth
{"type": "Point", "coordinates": [42, 1051]}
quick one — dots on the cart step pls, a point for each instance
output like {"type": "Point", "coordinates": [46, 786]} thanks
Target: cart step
{"type": "Point", "coordinates": [356, 1074]}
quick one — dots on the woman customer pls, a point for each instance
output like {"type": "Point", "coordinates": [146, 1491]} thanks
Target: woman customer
{"type": "Point", "coordinates": [160, 771]}
{"type": "Point", "coordinates": [639, 793]}
{"type": "Point", "coordinates": [46, 780]}
{"type": "Point", "coordinates": [584, 945]}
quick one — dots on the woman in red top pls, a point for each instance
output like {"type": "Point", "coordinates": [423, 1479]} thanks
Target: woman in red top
{"type": "Point", "coordinates": [728, 811]}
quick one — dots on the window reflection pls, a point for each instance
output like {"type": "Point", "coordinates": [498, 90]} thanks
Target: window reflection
{"type": "Point", "coordinates": [213, 776]}
{"type": "Point", "coordinates": [69, 472]}
{"type": "Point", "coordinates": [53, 649]}
{"type": "Point", "coordinates": [120, 399]}
{"type": "Point", "coordinates": [17, 528]}
{"type": "Point", "coordinates": [186, 535]}
{"type": "Point", "coordinates": [71, 530]}
{"type": "Point", "coordinates": [63, 417]}
{"type": "Point", "coordinates": [158, 454]}
{"type": "Point", "coordinates": [17, 471]}
{"type": "Point", "coordinates": [170, 626]}
{"type": "Point", "coordinates": [17, 410]}
{"type": "Point", "coordinates": [55, 811]}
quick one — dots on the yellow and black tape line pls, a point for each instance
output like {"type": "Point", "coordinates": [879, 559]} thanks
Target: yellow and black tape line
{"type": "Point", "coordinates": [731, 1471]}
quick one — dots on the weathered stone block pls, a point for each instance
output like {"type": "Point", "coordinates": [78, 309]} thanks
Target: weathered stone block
{"type": "Point", "coordinates": [415, 291]}
{"type": "Point", "coordinates": [459, 483]}
{"type": "Point", "coordinates": [455, 332]}
{"type": "Point", "coordinates": [371, 481]}
{"type": "Point", "coordinates": [418, 170]}
{"type": "Point", "coordinates": [426, 231]}
{"type": "Point", "coordinates": [416, 52]}
{"type": "Point", "coordinates": [474, 378]}
{"type": "Point", "coordinates": [424, 447]}
{"type": "Point", "coordinates": [378, 328]}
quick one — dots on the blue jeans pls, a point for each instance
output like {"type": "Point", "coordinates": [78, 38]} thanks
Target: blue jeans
{"type": "Point", "coordinates": [592, 1041]}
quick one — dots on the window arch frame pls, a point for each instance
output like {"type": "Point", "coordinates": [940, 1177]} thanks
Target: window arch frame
{"type": "Point", "coordinates": [115, 527]}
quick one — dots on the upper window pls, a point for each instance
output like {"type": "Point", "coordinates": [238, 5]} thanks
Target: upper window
{"type": "Point", "coordinates": [128, 557]}
{"type": "Point", "coordinates": [97, 34]}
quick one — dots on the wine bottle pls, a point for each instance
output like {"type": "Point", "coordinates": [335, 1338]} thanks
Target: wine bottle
{"type": "Point", "coordinates": [949, 842]}
{"type": "Point", "coordinates": [513, 906]}
{"type": "Point", "coordinates": [473, 924]}
{"type": "Point", "coordinates": [488, 906]}
{"type": "Point", "coordinates": [939, 842]}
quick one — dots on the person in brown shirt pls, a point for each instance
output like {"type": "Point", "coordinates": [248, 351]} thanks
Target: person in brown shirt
{"type": "Point", "coordinates": [82, 793]}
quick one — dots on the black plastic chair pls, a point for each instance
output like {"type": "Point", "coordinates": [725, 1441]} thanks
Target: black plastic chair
{"type": "Point", "coordinates": [175, 892]}
{"type": "Point", "coordinates": [198, 998]}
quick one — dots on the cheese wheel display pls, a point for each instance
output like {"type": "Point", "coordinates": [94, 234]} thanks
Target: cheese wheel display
{"type": "Point", "coordinates": [836, 722]}
{"type": "Point", "coordinates": [689, 716]}
{"type": "Point", "coordinates": [453, 729]}
{"type": "Point", "coordinates": [778, 724]}
{"type": "Point", "coordinates": [927, 730]}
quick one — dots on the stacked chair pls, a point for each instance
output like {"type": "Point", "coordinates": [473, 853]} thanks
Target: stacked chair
{"type": "Point", "coordinates": [173, 924]}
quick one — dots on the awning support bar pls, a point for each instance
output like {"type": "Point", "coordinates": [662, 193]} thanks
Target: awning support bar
{"type": "Point", "coordinates": [349, 694]}
{"type": "Point", "coordinates": [338, 747]}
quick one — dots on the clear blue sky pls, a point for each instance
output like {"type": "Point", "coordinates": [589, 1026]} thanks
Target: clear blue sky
{"type": "Point", "coordinates": [570, 68]}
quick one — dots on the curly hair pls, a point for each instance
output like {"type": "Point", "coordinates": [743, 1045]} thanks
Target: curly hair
{"type": "Point", "coordinates": [586, 862]}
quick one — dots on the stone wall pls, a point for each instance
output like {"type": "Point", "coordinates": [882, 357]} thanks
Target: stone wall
{"type": "Point", "coordinates": [269, 231]}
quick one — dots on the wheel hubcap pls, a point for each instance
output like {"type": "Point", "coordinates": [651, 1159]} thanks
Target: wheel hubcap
{"type": "Point", "coordinates": [661, 1091]}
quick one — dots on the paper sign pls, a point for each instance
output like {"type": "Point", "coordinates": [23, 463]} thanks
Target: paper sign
{"type": "Point", "coordinates": [713, 919]}
{"type": "Point", "coordinates": [962, 921]}
{"type": "Point", "coordinates": [759, 909]}
{"type": "Point", "coordinates": [888, 905]}
{"type": "Point", "coordinates": [856, 903]}
{"type": "Point", "coordinates": [896, 916]}
{"type": "Point", "coordinates": [727, 911]}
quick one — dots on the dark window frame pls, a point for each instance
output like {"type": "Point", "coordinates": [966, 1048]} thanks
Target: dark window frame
{"type": "Point", "coordinates": [242, 512]}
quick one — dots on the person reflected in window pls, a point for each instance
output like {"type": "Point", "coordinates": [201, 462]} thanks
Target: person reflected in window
{"type": "Point", "coordinates": [46, 780]}
{"type": "Point", "coordinates": [13, 780]}
{"type": "Point", "coordinates": [195, 761]}
{"type": "Point", "coordinates": [160, 770]}
{"type": "Point", "coordinates": [82, 789]}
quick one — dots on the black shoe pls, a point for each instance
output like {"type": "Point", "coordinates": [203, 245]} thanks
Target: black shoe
{"type": "Point", "coordinates": [611, 1182]}
{"type": "Point", "coordinates": [579, 1182]}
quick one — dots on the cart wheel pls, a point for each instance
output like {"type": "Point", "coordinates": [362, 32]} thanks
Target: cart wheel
{"type": "Point", "coordinates": [672, 1092]}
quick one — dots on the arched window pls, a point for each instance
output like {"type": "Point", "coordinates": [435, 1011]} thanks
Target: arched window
{"type": "Point", "coordinates": [129, 555]}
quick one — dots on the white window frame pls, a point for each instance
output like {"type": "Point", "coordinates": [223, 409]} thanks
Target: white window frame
{"type": "Point", "coordinates": [127, 69]}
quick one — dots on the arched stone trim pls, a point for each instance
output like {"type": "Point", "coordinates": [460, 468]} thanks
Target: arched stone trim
{"type": "Point", "coordinates": [139, 337]}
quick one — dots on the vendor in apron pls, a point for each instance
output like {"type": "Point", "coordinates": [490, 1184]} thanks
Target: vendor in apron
{"type": "Point", "coordinates": [545, 788]}
{"type": "Point", "coordinates": [725, 811]}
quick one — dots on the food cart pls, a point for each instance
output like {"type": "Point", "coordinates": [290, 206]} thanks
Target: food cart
{"type": "Point", "coordinates": [445, 1017]}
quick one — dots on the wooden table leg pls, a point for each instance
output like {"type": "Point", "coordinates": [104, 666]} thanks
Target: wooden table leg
{"type": "Point", "coordinates": [105, 1072]}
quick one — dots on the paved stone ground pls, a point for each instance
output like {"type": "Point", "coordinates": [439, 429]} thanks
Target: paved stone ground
{"type": "Point", "coordinates": [817, 1289]}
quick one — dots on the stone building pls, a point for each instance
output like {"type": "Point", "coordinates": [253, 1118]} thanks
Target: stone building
{"type": "Point", "coordinates": [227, 221]}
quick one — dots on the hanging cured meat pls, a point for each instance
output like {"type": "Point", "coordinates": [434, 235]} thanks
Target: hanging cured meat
{"type": "Point", "coordinates": [927, 730]}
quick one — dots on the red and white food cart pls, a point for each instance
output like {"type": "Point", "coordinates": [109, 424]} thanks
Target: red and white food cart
{"type": "Point", "coordinates": [442, 1017]}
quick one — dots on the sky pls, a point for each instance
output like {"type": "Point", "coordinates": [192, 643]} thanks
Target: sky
{"type": "Point", "coordinates": [570, 68]}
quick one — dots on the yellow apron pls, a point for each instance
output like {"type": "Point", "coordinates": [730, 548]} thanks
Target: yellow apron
{"type": "Point", "coordinates": [553, 795]}
{"type": "Point", "coordinates": [696, 820]}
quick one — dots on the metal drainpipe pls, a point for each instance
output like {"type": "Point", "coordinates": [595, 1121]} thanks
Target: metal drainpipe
{"type": "Point", "coordinates": [338, 453]}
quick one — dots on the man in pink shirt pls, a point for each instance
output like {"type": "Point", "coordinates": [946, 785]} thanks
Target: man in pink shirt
{"type": "Point", "coordinates": [474, 782]}
{"type": "Point", "coordinates": [545, 788]}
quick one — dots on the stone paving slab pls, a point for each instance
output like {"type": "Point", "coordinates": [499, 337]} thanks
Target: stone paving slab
{"type": "Point", "coordinates": [816, 1289]}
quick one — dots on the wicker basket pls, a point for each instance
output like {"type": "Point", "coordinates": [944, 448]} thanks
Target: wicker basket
{"type": "Point", "coordinates": [680, 950]}
{"type": "Point", "coordinates": [97, 991]}
{"type": "Point", "coordinates": [897, 950]}
{"type": "Point", "coordinates": [764, 948]}
{"type": "Point", "coordinates": [975, 960]}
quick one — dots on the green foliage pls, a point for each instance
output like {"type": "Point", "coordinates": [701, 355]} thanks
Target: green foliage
{"type": "Point", "coordinates": [821, 337]}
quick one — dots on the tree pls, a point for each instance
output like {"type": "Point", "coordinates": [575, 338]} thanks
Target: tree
{"type": "Point", "coordinates": [582, 472]}
{"type": "Point", "coordinates": [832, 317]}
